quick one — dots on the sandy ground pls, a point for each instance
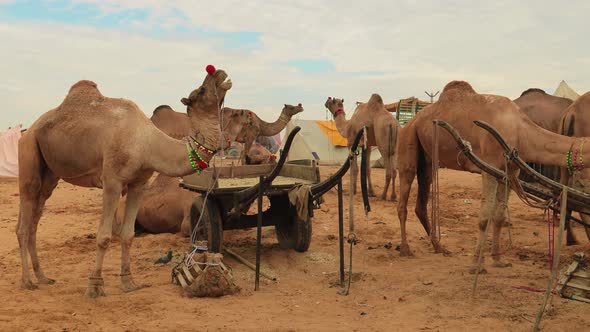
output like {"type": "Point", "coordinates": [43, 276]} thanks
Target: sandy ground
{"type": "Point", "coordinates": [425, 292]}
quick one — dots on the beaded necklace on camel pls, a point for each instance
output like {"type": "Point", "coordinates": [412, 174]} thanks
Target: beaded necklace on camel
{"type": "Point", "coordinates": [574, 160]}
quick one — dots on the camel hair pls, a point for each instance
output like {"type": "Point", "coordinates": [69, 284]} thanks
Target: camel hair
{"type": "Point", "coordinates": [165, 207]}
{"type": "Point", "coordinates": [460, 105]}
{"type": "Point", "coordinates": [243, 123]}
{"type": "Point", "coordinates": [576, 122]}
{"type": "Point", "coordinates": [382, 129]}
{"type": "Point", "coordinates": [91, 140]}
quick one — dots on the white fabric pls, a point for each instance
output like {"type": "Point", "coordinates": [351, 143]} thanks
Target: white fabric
{"type": "Point", "coordinates": [564, 90]}
{"type": "Point", "coordinates": [312, 140]}
{"type": "Point", "coordinates": [9, 152]}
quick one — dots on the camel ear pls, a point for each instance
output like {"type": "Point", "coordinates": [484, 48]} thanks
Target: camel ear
{"type": "Point", "coordinates": [342, 100]}
{"type": "Point", "coordinates": [285, 105]}
{"type": "Point", "coordinates": [185, 101]}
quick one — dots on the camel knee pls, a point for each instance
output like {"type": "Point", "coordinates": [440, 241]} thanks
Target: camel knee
{"type": "Point", "coordinates": [103, 241]}
{"type": "Point", "coordinates": [483, 224]}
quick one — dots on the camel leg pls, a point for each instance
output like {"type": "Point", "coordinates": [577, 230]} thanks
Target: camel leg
{"type": "Point", "coordinates": [134, 196]}
{"type": "Point", "coordinates": [569, 232]}
{"type": "Point", "coordinates": [371, 191]}
{"type": "Point", "coordinates": [393, 172]}
{"type": "Point", "coordinates": [486, 214]}
{"type": "Point", "coordinates": [499, 220]}
{"type": "Point", "coordinates": [110, 197]}
{"type": "Point", "coordinates": [406, 177]}
{"type": "Point", "coordinates": [387, 166]}
{"type": "Point", "coordinates": [247, 146]}
{"type": "Point", "coordinates": [48, 184]}
{"type": "Point", "coordinates": [355, 170]}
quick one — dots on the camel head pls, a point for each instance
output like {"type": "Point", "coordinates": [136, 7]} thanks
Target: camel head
{"type": "Point", "coordinates": [234, 120]}
{"type": "Point", "coordinates": [334, 104]}
{"type": "Point", "coordinates": [203, 108]}
{"type": "Point", "coordinates": [291, 110]}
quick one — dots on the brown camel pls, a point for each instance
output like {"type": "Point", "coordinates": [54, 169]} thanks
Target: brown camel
{"type": "Point", "coordinates": [382, 130]}
{"type": "Point", "coordinates": [460, 105]}
{"type": "Point", "coordinates": [576, 122]}
{"type": "Point", "coordinates": [245, 124]}
{"type": "Point", "coordinates": [165, 207]}
{"type": "Point", "coordinates": [94, 141]}
{"type": "Point", "coordinates": [257, 127]}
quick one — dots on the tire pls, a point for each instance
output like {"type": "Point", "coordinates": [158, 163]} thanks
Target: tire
{"type": "Point", "coordinates": [294, 233]}
{"type": "Point", "coordinates": [211, 227]}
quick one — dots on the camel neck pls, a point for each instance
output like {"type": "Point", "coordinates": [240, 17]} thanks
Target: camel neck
{"type": "Point", "coordinates": [536, 144]}
{"type": "Point", "coordinates": [271, 129]}
{"type": "Point", "coordinates": [342, 124]}
{"type": "Point", "coordinates": [170, 156]}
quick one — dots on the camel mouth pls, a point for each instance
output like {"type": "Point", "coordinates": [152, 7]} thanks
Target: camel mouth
{"type": "Point", "coordinates": [222, 80]}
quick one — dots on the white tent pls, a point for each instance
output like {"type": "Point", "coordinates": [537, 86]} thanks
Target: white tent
{"type": "Point", "coordinates": [564, 90]}
{"type": "Point", "coordinates": [9, 152]}
{"type": "Point", "coordinates": [312, 143]}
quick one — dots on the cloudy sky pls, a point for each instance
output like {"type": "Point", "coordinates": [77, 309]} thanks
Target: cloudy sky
{"type": "Point", "coordinates": [277, 52]}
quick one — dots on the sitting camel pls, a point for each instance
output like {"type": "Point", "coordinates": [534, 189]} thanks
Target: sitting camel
{"type": "Point", "coordinates": [382, 130]}
{"type": "Point", "coordinates": [546, 111]}
{"type": "Point", "coordinates": [460, 105]}
{"type": "Point", "coordinates": [247, 128]}
{"type": "Point", "coordinates": [576, 122]}
{"type": "Point", "coordinates": [94, 141]}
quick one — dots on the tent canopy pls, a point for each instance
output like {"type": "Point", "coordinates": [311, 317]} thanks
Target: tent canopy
{"type": "Point", "coordinates": [318, 141]}
{"type": "Point", "coordinates": [564, 90]}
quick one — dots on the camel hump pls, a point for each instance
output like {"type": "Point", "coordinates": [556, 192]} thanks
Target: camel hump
{"type": "Point", "coordinates": [162, 108]}
{"type": "Point", "coordinates": [83, 84]}
{"type": "Point", "coordinates": [531, 90]}
{"type": "Point", "coordinates": [458, 86]}
{"type": "Point", "coordinates": [376, 98]}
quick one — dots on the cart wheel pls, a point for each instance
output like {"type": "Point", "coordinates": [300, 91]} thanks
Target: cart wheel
{"type": "Point", "coordinates": [294, 233]}
{"type": "Point", "coordinates": [210, 228]}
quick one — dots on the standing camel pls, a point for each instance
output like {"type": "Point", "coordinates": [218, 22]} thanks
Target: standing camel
{"type": "Point", "coordinates": [91, 140]}
{"type": "Point", "coordinates": [460, 105]}
{"type": "Point", "coordinates": [546, 111]}
{"type": "Point", "coordinates": [243, 123]}
{"type": "Point", "coordinates": [576, 122]}
{"type": "Point", "coordinates": [382, 130]}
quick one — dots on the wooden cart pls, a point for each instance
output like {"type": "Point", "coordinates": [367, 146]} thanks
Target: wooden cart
{"type": "Point", "coordinates": [221, 211]}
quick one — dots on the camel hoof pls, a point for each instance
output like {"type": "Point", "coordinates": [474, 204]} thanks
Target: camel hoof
{"type": "Point", "coordinates": [29, 285]}
{"type": "Point", "coordinates": [501, 264]}
{"type": "Point", "coordinates": [404, 250]}
{"type": "Point", "coordinates": [94, 292]}
{"type": "Point", "coordinates": [473, 269]}
{"type": "Point", "coordinates": [442, 250]}
{"type": "Point", "coordinates": [132, 286]}
{"type": "Point", "coordinates": [95, 288]}
{"type": "Point", "coordinates": [372, 194]}
{"type": "Point", "coordinates": [572, 242]}
{"type": "Point", "coordinates": [46, 281]}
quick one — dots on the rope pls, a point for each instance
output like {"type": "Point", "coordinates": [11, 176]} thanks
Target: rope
{"type": "Point", "coordinates": [550, 285]}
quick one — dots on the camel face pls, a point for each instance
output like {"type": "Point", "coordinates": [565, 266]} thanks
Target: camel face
{"type": "Point", "coordinates": [334, 104]}
{"type": "Point", "coordinates": [291, 110]}
{"type": "Point", "coordinates": [211, 93]}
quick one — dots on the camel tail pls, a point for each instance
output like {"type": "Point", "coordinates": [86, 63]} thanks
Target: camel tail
{"type": "Point", "coordinates": [422, 177]}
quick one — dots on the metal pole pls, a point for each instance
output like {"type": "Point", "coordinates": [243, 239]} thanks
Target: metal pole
{"type": "Point", "coordinates": [259, 232]}
{"type": "Point", "coordinates": [431, 95]}
{"type": "Point", "coordinates": [341, 231]}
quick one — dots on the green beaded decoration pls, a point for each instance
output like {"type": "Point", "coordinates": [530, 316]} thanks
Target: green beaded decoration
{"type": "Point", "coordinates": [197, 163]}
{"type": "Point", "coordinates": [569, 162]}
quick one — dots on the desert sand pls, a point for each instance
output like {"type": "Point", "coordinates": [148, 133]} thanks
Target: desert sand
{"type": "Point", "coordinates": [389, 293]}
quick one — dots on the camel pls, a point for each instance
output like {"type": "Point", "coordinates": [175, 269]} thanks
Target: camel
{"type": "Point", "coordinates": [460, 105]}
{"type": "Point", "coordinates": [91, 140]}
{"type": "Point", "coordinates": [257, 127]}
{"type": "Point", "coordinates": [546, 111]}
{"type": "Point", "coordinates": [575, 123]}
{"type": "Point", "coordinates": [382, 129]}
{"type": "Point", "coordinates": [247, 128]}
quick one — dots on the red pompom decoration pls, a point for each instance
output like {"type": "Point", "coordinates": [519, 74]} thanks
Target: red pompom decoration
{"type": "Point", "coordinates": [210, 69]}
{"type": "Point", "coordinates": [299, 104]}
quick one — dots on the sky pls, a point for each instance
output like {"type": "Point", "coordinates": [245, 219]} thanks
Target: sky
{"type": "Point", "coordinates": [285, 52]}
